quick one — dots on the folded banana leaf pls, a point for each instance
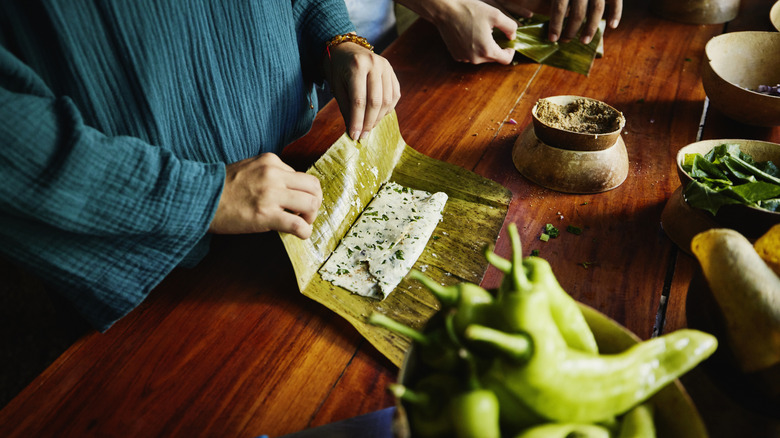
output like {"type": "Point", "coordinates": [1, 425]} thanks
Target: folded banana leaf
{"type": "Point", "coordinates": [351, 173]}
{"type": "Point", "coordinates": [531, 41]}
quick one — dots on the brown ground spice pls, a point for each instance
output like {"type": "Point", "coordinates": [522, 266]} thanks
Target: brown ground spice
{"type": "Point", "coordinates": [581, 115]}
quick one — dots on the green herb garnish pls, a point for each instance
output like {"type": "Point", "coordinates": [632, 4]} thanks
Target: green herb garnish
{"type": "Point", "coordinates": [551, 231]}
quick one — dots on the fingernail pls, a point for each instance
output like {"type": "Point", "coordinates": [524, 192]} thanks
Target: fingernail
{"type": "Point", "coordinates": [355, 135]}
{"type": "Point", "coordinates": [553, 37]}
{"type": "Point", "coordinates": [585, 40]}
{"type": "Point", "coordinates": [363, 134]}
{"type": "Point", "coordinates": [614, 23]}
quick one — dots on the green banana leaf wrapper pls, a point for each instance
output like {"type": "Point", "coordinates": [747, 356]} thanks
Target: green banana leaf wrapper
{"type": "Point", "coordinates": [351, 174]}
{"type": "Point", "coordinates": [531, 41]}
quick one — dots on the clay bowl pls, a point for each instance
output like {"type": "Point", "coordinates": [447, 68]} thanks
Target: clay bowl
{"type": "Point", "coordinates": [675, 414]}
{"type": "Point", "coordinates": [737, 63]}
{"type": "Point", "coordinates": [570, 171]}
{"type": "Point", "coordinates": [696, 11]}
{"type": "Point", "coordinates": [774, 15]}
{"type": "Point", "coordinates": [579, 141]}
{"type": "Point", "coordinates": [752, 222]}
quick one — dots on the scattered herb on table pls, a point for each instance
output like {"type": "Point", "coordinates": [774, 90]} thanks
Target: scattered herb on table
{"type": "Point", "coordinates": [535, 253]}
{"type": "Point", "coordinates": [574, 230]}
{"type": "Point", "coordinates": [726, 175]}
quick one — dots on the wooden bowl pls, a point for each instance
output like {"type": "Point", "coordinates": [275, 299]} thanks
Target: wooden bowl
{"type": "Point", "coordinates": [739, 62]}
{"type": "Point", "coordinates": [774, 15]}
{"type": "Point", "coordinates": [570, 171]}
{"type": "Point", "coordinates": [752, 222]}
{"type": "Point", "coordinates": [574, 140]}
{"type": "Point", "coordinates": [696, 11]}
{"type": "Point", "coordinates": [675, 414]}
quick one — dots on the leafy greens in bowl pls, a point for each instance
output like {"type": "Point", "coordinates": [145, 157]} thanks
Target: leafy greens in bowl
{"type": "Point", "coordinates": [736, 181]}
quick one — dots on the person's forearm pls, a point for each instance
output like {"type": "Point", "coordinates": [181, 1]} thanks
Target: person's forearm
{"type": "Point", "coordinates": [433, 11]}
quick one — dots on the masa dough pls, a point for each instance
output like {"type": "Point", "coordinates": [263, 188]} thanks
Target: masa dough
{"type": "Point", "coordinates": [385, 241]}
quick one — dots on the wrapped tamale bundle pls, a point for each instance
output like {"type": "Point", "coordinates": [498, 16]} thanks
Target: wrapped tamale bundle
{"type": "Point", "coordinates": [351, 174]}
{"type": "Point", "coordinates": [531, 42]}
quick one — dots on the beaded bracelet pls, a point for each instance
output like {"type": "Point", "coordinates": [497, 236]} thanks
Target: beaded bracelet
{"type": "Point", "coordinates": [348, 38]}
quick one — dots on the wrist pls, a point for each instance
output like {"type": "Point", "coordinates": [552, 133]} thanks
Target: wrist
{"type": "Point", "coordinates": [347, 38]}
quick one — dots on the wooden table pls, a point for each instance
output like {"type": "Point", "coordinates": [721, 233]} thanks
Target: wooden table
{"type": "Point", "coordinates": [231, 348]}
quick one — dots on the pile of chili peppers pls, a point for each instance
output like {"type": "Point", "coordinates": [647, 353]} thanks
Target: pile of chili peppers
{"type": "Point", "coordinates": [521, 361]}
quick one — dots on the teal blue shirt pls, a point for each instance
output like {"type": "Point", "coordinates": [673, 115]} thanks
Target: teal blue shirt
{"type": "Point", "coordinates": [117, 119]}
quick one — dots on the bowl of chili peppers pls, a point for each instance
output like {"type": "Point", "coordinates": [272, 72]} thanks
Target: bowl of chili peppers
{"type": "Point", "coordinates": [527, 360]}
{"type": "Point", "coordinates": [741, 76]}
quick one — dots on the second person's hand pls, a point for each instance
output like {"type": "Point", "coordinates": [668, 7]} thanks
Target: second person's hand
{"type": "Point", "coordinates": [580, 15]}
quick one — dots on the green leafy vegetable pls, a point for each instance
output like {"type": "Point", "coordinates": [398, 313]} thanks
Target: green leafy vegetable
{"type": "Point", "coordinates": [726, 175]}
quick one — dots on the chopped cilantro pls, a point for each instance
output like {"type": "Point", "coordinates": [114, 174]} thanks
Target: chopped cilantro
{"type": "Point", "coordinates": [399, 255]}
{"type": "Point", "coordinates": [574, 230]}
{"type": "Point", "coordinates": [535, 253]}
{"type": "Point", "coordinates": [551, 231]}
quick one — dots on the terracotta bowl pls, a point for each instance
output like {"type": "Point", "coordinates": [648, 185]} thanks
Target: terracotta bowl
{"type": "Point", "coordinates": [675, 414]}
{"type": "Point", "coordinates": [774, 15]}
{"type": "Point", "coordinates": [570, 171]}
{"type": "Point", "coordinates": [578, 141]}
{"type": "Point", "coordinates": [696, 11]}
{"type": "Point", "coordinates": [750, 221]}
{"type": "Point", "coordinates": [739, 62]}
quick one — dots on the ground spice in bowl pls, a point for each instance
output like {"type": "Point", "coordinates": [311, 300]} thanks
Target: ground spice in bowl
{"type": "Point", "coordinates": [577, 123]}
{"type": "Point", "coordinates": [581, 115]}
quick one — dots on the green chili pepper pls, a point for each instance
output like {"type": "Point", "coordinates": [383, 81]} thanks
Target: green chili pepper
{"type": "Point", "coordinates": [514, 346]}
{"type": "Point", "coordinates": [514, 414]}
{"type": "Point", "coordinates": [473, 304]}
{"type": "Point", "coordinates": [565, 430]}
{"type": "Point", "coordinates": [475, 413]}
{"type": "Point", "coordinates": [568, 385]}
{"type": "Point", "coordinates": [436, 348]}
{"type": "Point", "coordinates": [638, 422]}
{"type": "Point", "coordinates": [428, 404]}
{"type": "Point", "coordinates": [566, 312]}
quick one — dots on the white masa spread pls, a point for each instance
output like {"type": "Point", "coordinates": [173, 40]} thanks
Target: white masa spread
{"type": "Point", "coordinates": [385, 241]}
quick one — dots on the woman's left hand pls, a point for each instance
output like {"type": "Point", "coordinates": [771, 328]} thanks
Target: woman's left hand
{"type": "Point", "coordinates": [364, 85]}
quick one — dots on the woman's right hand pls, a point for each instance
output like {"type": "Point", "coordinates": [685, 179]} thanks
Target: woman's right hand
{"type": "Point", "coordinates": [264, 194]}
{"type": "Point", "coordinates": [364, 85]}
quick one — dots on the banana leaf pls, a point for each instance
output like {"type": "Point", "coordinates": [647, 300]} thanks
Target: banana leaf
{"type": "Point", "coordinates": [531, 41]}
{"type": "Point", "coordinates": [351, 173]}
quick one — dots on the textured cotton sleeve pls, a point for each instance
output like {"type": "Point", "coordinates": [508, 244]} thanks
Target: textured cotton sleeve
{"type": "Point", "coordinates": [319, 21]}
{"type": "Point", "coordinates": [101, 219]}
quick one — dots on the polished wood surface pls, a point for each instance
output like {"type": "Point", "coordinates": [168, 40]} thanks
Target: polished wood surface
{"type": "Point", "coordinates": [231, 348]}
